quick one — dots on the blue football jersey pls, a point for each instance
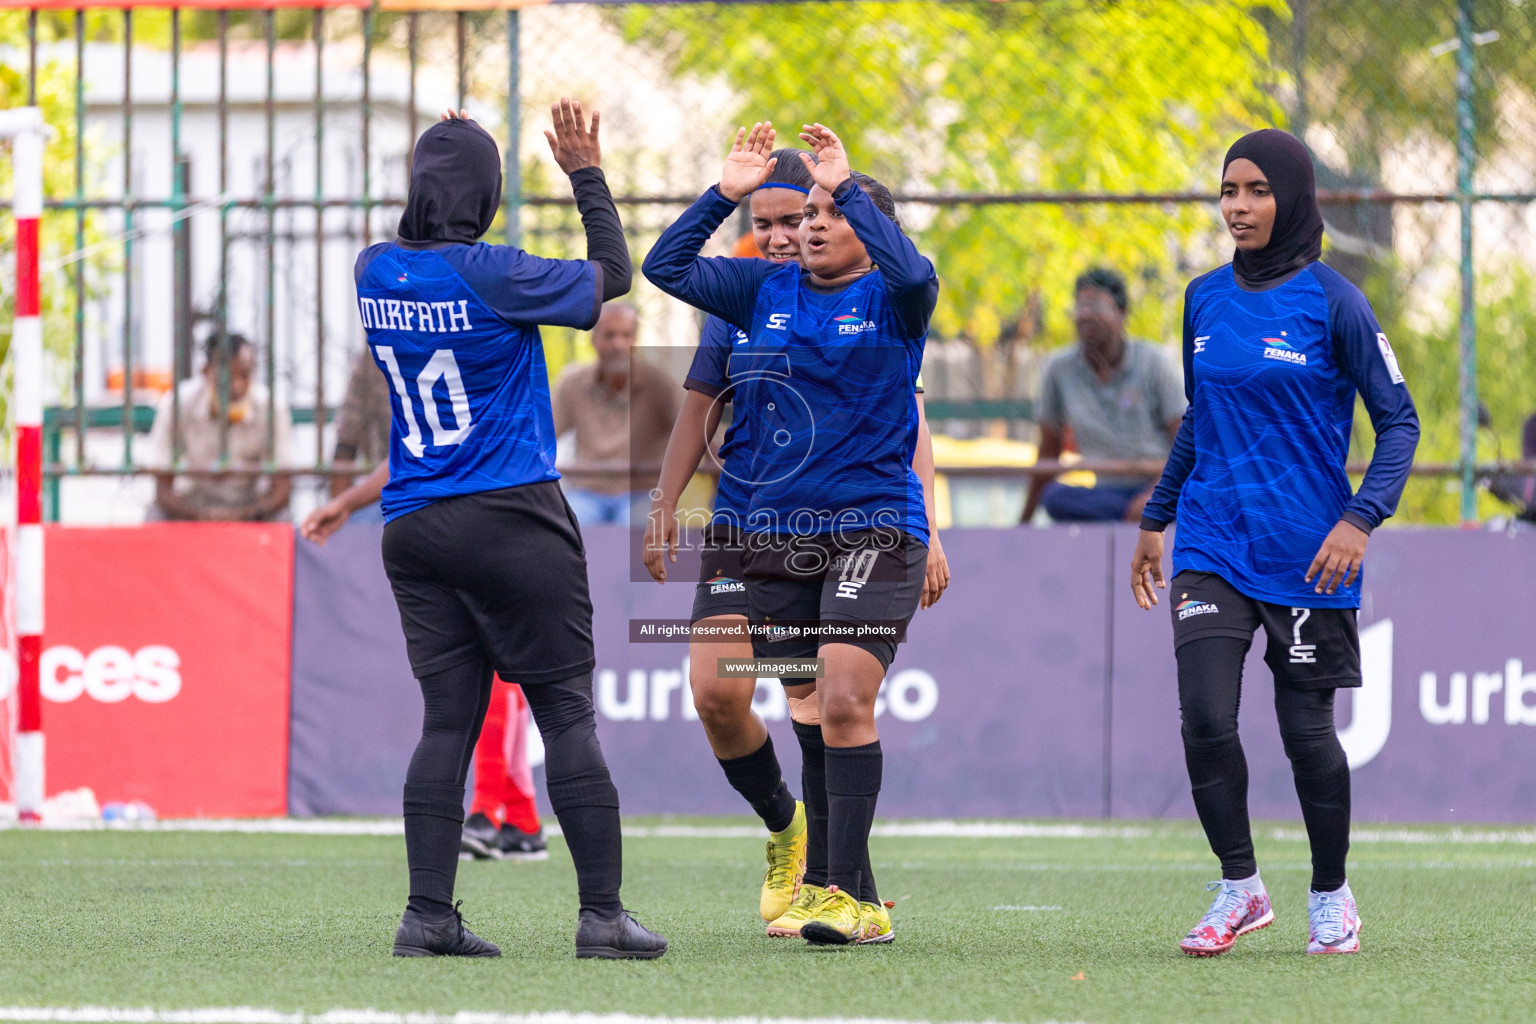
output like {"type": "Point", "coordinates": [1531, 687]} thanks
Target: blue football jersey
{"type": "Point", "coordinates": [1257, 476]}
{"type": "Point", "coordinates": [826, 379]}
{"type": "Point", "coordinates": [709, 374]}
{"type": "Point", "coordinates": [455, 331]}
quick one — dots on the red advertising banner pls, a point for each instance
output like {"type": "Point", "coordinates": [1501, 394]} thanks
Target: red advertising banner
{"type": "Point", "coordinates": [165, 665]}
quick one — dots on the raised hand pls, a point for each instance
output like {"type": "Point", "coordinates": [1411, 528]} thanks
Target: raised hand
{"type": "Point", "coordinates": [830, 168]}
{"type": "Point", "coordinates": [572, 144]}
{"type": "Point", "coordinates": [455, 115]}
{"type": "Point", "coordinates": [748, 165]}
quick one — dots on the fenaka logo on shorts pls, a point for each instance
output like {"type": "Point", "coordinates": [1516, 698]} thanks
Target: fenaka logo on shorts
{"type": "Point", "coordinates": [1280, 349]}
{"type": "Point", "coordinates": [726, 585]}
{"type": "Point", "coordinates": [1193, 607]}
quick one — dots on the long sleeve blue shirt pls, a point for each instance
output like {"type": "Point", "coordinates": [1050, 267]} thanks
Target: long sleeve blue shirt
{"type": "Point", "coordinates": [1256, 478]}
{"type": "Point", "coordinates": [826, 378]}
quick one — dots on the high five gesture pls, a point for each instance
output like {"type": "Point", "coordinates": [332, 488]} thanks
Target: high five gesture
{"type": "Point", "coordinates": [830, 168]}
{"type": "Point", "coordinates": [748, 165]}
{"type": "Point", "coordinates": [573, 145]}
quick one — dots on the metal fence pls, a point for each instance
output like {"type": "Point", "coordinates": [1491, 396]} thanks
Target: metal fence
{"type": "Point", "coordinates": [215, 172]}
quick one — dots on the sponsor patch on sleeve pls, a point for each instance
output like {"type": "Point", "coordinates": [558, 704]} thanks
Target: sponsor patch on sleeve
{"type": "Point", "coordinates": [1390, 358]}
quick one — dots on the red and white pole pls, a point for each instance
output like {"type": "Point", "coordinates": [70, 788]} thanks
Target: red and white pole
{"type": "Point", "coordinates": [25, 127]}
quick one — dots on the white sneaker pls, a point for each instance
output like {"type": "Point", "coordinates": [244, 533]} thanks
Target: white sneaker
{"type": "Point", "coordinates": [1334, 922]}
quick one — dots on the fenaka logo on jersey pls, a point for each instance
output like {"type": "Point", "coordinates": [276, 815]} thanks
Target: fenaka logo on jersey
{"type": "Point", "coordinates": [1279, 348]}
{"type": "Point", "coordinates": [1193, 607]}
{"type": "Point", "coordinates": [852, 323]}
{"type": "Point", "coordinates": [726, 585]}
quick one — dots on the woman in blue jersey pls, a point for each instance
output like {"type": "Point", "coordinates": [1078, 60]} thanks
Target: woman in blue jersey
{"type": "Point", "coordinates": [481, 549]}
{"type": "Point", "coordinates": [836, 528]}
{"type": "Point", "coordinates": [797, 847]}
{"type": "Point", "coordinates": [1276, 347]}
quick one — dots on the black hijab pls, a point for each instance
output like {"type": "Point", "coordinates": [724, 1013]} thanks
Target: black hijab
{"type": "Point", "coordinates": [1297, 238]}
{"type": "Point", "coordinates": [455, 184]}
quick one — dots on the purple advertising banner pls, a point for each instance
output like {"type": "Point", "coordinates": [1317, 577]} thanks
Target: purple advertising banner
{"type": "Point", "coordinates": [1035, 688]}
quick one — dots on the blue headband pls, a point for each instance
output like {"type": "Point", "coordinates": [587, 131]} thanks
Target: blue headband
{"type": "Point", "coordinates": [785, 184]}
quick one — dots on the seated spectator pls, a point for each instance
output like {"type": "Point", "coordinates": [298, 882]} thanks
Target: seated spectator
{"type": "Point", "coordinates": [622, 409]}
{"type": "Point", "coordinates": [1121, 398]}
{"type": "Point", "coordinates": [195, 442]}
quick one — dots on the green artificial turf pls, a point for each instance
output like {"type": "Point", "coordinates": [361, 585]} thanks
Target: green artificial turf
{"type": "Point", "coordinates": [183, 920]}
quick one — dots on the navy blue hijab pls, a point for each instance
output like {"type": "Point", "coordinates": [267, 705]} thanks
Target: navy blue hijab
{"type": "Point", "coordinates": [455, 184]}
{"type": "Point", "coordinates": [1297, 238]}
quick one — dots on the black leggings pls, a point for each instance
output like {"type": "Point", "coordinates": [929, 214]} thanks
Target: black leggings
{"type": "Point", "coordinates": [580, 789]}
{"type": "Point", "coordinates": [1210, 687]}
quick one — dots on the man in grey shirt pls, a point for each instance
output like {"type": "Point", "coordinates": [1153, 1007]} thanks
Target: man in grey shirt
{"type": "Point", "coordinates": [1121, 398]}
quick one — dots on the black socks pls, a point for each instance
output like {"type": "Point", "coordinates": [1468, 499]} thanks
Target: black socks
{"type": "Point", "coordinates": [434, 820]}
{"type": "Point", "coordinates": [813, 783]}
{"type": "Point", "coordinates": [853, 788]}
{"type": "Point", "coordinates": [587, 807]}
{"type": "Point", "coordinates": [580, 789]}
{"type": "Point", "coordinates": [1210, 688]}
{"type": "Point", "coordinates": [1218, 777]}
{"type": "Point", "coordinates": [453, 706]}
{"type": "Point", "coordinates": [759, 778]}
{"type": "Point", "coordinates": [1321, 769]}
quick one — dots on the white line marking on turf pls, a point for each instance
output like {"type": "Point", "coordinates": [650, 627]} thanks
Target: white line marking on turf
{"type": "Point", "coordinates": [256, 1015]}
{"type": "Point", "coordinates": [1011, 906]}
{"type": "Point", "coordinates": [895, 829]}
{"type": "Point", "coordinates": [394, 827]}
{"type": "Point", "coordinates": [1405, 835]}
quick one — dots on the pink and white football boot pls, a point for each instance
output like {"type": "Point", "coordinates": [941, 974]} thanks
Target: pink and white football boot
{"type": "Point", "coordinates": [1333, 922]}
{"type": "Point", "coordinates": [1235, 912]}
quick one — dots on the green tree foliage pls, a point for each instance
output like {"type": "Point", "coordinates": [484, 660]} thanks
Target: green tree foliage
{"type": "Point", "coordinates": [1379, 72]}
{"type": "Point", "coordinates": [1506, 332]}
{"type": "Point", "coordinates": [1048, 96]}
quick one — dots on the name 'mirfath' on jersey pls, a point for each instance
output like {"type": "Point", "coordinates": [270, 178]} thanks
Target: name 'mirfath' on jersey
{"type": "Point", "coordinates": [455, 330]}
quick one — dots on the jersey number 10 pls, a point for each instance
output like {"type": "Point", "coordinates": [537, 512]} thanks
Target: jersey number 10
{"type": "Point", "coordinates": [442, 366]}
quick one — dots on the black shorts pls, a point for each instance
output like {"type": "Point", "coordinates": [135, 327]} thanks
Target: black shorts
{"type": "Point", "coordinates": [1306, 649]}
{"type": "Point", "coordinates": [873, 577]}
{"type": "Point", "coordinates": [721, 590]}
{"type": "Point", "coordinates": [500, 575]}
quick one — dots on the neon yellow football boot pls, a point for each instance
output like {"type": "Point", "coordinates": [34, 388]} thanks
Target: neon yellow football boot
{"type": "Point", "coordinates": [875, 923]}
{"type": "Point", "coordinates": [836, 922]}
{"type": "Point", "coordinates": [787, 925]}
{"type": "Point", "coordinates": [786, 867]}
